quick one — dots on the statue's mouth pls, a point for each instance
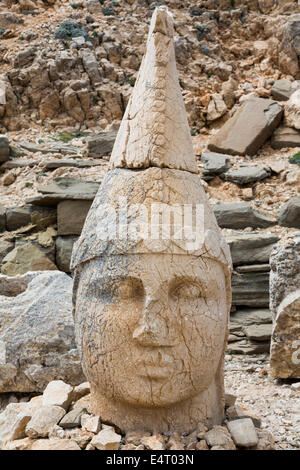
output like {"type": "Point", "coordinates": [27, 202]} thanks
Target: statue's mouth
{"type": "Point", "coordinates": [155, 372]}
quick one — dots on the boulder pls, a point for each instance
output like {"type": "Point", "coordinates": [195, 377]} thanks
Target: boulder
{"type": "Point", "coordinates": [250, 289]}
{"type": "Point", "coordinates": [244, 317]}
{"type": "Point", "coordinates": [251, 248]}
{"type": "Point", "coordinates": [37, 332]}
{"type": "Point", "coordinates": [101, 144]}
{"type": "Point", "coordinates": [285, 137]}
{"type": "Point", "coordinates": [247, 175]}
{"type": "Point", "coordinates": [4, 148]}
{"type": "Point", "coordinates": [289, 213]}
{"type": "Point", "coordinates": [13, 421]}
{"type": "Point", "coordinates": [292, 109]}
{"type": "Point", "coordinates": [17, 217]}
{"type": "Point", "coordinates": [43, 421]}
{"type": "Point", "coordinates": [216, 107]}
{"type": "Point", "coordinates": [71, 216]}
{"type": "Point", "coordinates": [107, 439]}
{"type": "Point", "coordinates": [259, 332]}
{"type": "Point", "coordinates": [57, 393]}
{"type": "Point", "coordinates": [289, 49]}
{"type": "Point", "coordinates": [283, 89]}
{"type": "Point", "coordinates": [243, 432]}
{"type": "Point", "coordinates": [24, 258]}
{"type": "Point", "coordinates": [239, 215]}
{"type": "Point", "coordinates": [64, 247]}
{"type": "Point", "coordinates": [249, 128]}
{"type": "Point", "coordinates": [2, 219]}
{"type": "Point", "coordinates": [214, 164]}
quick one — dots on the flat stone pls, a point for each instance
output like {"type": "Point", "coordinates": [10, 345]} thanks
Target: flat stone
{"type": "Point", "coordinates": [71, 216]}
{"type": "Point", "coordinates": [56, 147]}
{"type": "Point", "coordinates": [17, 217]}
{"type": "Point", "coordinates": [250, 347]}
{"type": "Point", "coordinates": [18, 163]}
{"type": "Point", "coordinates": [5, 248]}
{"type": "Point", "coordinates": [4, 148]}
{"type": "Point", "coordinates": [251, 316]}
{"type": "Point", "coordinates": [54, 164]}
{"type": "Point", "coordinates": [251, 248]}
{"type": "Point", "coordinates": [246, 175]}
{"type": "Point", "coordinates": [107, 439]}
{"type": "Point", "coordinates": [259, 332]}
{"type": "Point", "coordinates": [230, 399]}
{"type": "Point", "coordinates": [37, 332]}
{"type": "Point", "coordinates": [214, 164]}
{"type": "Point", "coordinates": [292, 110]}
{"type": "Point", "coordinates": [250, 289]}
{"type": "Point", "coordinates": [64, 247]}
{"type": "Point", "coordinates": [219, 436]}
{"type": "Point", "coordinates": [43, 420]}
{"type": "Point", "coordinates": [24, 258]}
{"type": "Point", "coordinates": [239, 215]}
{"type": "Point", "coordinates": [101, 144]}
{"type": "Point", "coordinates": [282, 90]}
{"type": "Point", "coordinates": [285, 137]}
{"type": "Point", "coordinates": [253, 268]}
{"type": "Point", "coordinates": [2, 219]}
{"type": "Point", "coordinates": [289, 213]}
{"type": "Point", "coordinates": [243, 432]}
{"type": "Point", "coordinates": [54, 444]}
{"type": "Point", "coordinates": [81, 390]}
{"type": "Point", "coordinates": [57, 393]}
{"type": "Point", "coordinates": [248, 129]}
{"type": "Point", "coordinates": [72, 419]}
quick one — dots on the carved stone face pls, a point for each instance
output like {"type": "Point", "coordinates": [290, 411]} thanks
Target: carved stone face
{"type": "Point", "coordinates": [151, 327]}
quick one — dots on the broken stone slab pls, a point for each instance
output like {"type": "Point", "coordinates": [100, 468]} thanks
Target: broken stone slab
{"type": "Point", "coordinates": [253, 268]}
{"type": "Point", "coordinates": [239, 215]}
{"type": "Point", "coordinates": [54, 164]}
{"type": "Point", "coordinates": [248, 347]}
{"type": "Point", "coordinates": [259, 332]}
{"type": "Point", "coordinates": [37, 332]}
{"type": "Point", "coordinates": [251, 248]}
{"type": "Point", "coordinates": [289, 213]}
{"type": "Point", "coordinates": [283, 89]}
{"type": "Point", "coordinates": [4, 148]}
{"type": "Point", "coordinates": [284, 137]}
{"type": "Point", "coordinates": [107, 439]}
{"type": "Point", "coordinates": [61, 189]}
{"type": "Point", "coordinates": [18, 163]}
{"type": "Point", "coordinates": [24, 258]}
{"type": "Point", "coordinates": [243, 432]}
{"type": "Point", "coordinates": [17, 217]}
{"type": "Point", "coordinates": [246, 175]}
{"type": "Point", "coordinates": [250, 289]}
{"type": "Point", "coordinates": [57, 393]}
{"type": "Point", "coordinates": [72, 419]}
{"type": "Point", "coordinates": [57, 147]}
{"type": "Point", "coordinates": [71, 216]}
{"type": "Point", "coordinates": [285, 343]}
{"type": "Point", "coordinates": [2, 219]}
{"type": "Point", "coordinates": [244, 317]}
{"type": "Point", "coordinates": [43, 420]}
{"type": "Point", "coordinates": [214, 164]}
{"type": "Point", "coordinates": [249, 128]}
{"type": "Point", "coordinates": [13, 421]}
{"type": "Point", "coordinates": [292, 111]}
{"type": "Point", "coordinates": [100, 145]}
{"type": "Point", "coordinates": [64, 247]}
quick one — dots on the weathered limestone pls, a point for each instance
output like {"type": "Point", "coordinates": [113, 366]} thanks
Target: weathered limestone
{"type": "Point", "coordinates": [284, 137]}
{"type": "Point", "coordinates": [71, 216]}
{"type": "Point", "coordinates": [152, 297]}
{"type": "Point", "coordinates": [37, 333]}
{"type": "Point", "coordinates": [292, 110]}
{"type": "Point", "coordinates": [248, 129]}
{"type": "Point", "coordinates": [285, 306]}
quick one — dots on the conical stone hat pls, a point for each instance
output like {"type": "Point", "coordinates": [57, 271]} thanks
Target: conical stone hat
{"type": "Point", "coordinates": [152, 199]}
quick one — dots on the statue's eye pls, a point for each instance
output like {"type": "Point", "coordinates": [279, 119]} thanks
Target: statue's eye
{"type": "Point", "coordinates": [187, 291]}
{"type": "Point", "coordinates": [128, 289]}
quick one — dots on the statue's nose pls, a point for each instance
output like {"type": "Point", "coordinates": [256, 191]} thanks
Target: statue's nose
{"type": "Point", "coordinates": [153, 328]}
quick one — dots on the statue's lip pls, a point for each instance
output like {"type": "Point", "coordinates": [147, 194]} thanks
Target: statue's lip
{"type": "Point", "coordinates": [156, 372]}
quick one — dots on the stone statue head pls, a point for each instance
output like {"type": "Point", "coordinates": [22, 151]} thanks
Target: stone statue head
{"type": "Point", "coordinates": [152, 280]}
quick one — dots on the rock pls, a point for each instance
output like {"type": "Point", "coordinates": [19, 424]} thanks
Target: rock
{"type": "Point", "coordinates": [4, 148]}
{"type": "Point", "coordinates": [81, 391]}
{"type": "Point", "coordinates": [101, 144]}
{"type": "Point", "coordinates": [13, 421]}
{"type": "Point", "coordinates": [20, 444]}
{"type": "Point", "coordinates": [61, 189]}
{"type": "Point", "coordinates": [296, 386]}
{"type": "Point", "coordinates": [54, 164]}
{"type": "Point", "coordinates": [285, 137]}
{"type": "Point", "coordinates": [241, 412]}
{"type": "Point", "coordinates": [289, 213]}
{"type": "Point", "coordinates": [71, 216]}
{"type": "Point", "coordinates": [214, 164]}
{"type": "Point", "coordinates": [57, 393]}
{"type": "Point", "coordinates": [292, 110]}
{"type": "Point", "coordinates": [246, 175]}
{"type": "Point", "coordinates": [54, 444]}
{"type": "Point", "coordinates": [250, 289]}
{"type": "Point", "coordinates": [239, 215]}
{"type": "Point", "coordinates": [90, 65]}
{"type": "Point", "coordinates": [243, 432]}
{"type": "Point", "coordinates": [282, 90]}
{"type": "Point", "coordinates": [216, 108]}
{"type": "Point", "coordinates": [64, 247]}
{"type": "Point", "coordinates": [73, 418]}
{"type": "Point", "coordinates": [252, 316]}
{"type": "Point", "coordinates": [265, 440]}
{"type": "Point", "coordinates": [8, 179]}
{"type": "Point", "coordinates": [18, 163]}
{"type": "Point", "coordinates": [289, 48]}
{"type": "Point", "coordinates": [201, 445]}
{"type": "Point", "coordinates": [5, 248]}
{"type": "Point", "coordinates": [155, 442]}
{"type": "Point", "coordinates": [219, 436]}
{"type": "Point", "coordinates": [93, 6]}
{"type": "Point", "coordinates": [285, 343]}
{"type": "Point", "coordinates": [43, 420]}
{"type": "Point", "coordinates": [2, 219]}
{"type": "Point", "coordinates": [25, 258]}
{"type": "Point", "coordinates": [248, 129]}
{"type": "Point", "coordinates": [107, 439]}
{"type": "Point", "coordinates": [17, 217]}
{"type": "Point", "coordinates": [259, 332]}
{"type": "Point", "coordinates": [251, 248]}
{"type": "Point", "coordinates": [135, 437]}
{"type": "Point", "coordinates": [248, 347]}
{"type": "Point", "coordinates": [174, 443]}
{"type": "Point", "coordinates": [37, 332]}
{"type": "Point", "coordinates": [230, 400]}
{"type": "Point", "coordinates": [91, 423]}
{"type": "Point", "coordinates": [57, 147]}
